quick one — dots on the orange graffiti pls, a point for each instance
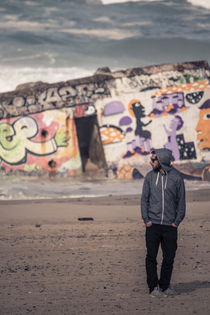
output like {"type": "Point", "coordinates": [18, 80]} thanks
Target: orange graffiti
{"type": "Point", "coordinates": [110, 135]}
{"type": "Point", "coordinates": [203, 129]}
{"type": "Point", "coordinates": [189, 87]}
{"type": "Point", "coordinates": [130, 108]}
{"type": "Point", "coordinates": [54, 145]}
{"type": "Point", "coordinates": [125, 172]}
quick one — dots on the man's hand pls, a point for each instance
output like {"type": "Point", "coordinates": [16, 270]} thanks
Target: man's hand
{"type": "Point", "coordinates": [174, 225]}
{"type": "Point", "coordinates": [148, 224]}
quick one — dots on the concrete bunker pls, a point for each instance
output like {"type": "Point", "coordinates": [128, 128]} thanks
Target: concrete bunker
{"type": "Point", "coordinates": [49, 128]}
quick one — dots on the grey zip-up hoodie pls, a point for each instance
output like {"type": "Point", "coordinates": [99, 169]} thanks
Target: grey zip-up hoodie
{"type": "Point", "coordinates": [163, 196]}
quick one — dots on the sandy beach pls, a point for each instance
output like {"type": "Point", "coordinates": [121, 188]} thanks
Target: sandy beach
{"type": "Point", "coordinates": [51, 262]}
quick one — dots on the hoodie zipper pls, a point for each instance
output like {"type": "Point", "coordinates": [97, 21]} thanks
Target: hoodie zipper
{"type": "Point", "coordinates": [162, 201]}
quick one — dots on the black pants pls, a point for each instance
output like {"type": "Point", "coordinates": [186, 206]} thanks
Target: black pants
{"type": "Point", "coordinates": [165, 235]}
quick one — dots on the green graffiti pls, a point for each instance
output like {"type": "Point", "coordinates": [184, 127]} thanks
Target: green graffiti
{"type": "Point", "coordinates": [190, 79]}
{"type": "Point", "coordinates": [61, 138]}
{"type": "Point", "coordinates": [15, 141]}
{"type": "Point", "coordinates": [11, 144]}
{"type": "Point", "coordinates": [8, 140]}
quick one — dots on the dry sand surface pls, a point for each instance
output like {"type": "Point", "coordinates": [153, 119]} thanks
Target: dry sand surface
{"type": "Point", "coordinates": [52, 263]}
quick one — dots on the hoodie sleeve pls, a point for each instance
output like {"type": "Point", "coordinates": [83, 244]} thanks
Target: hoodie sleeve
{"type": "Point", "coordinates": [181, 207]}
{"type": "Point", "coordinates": [145, 200]}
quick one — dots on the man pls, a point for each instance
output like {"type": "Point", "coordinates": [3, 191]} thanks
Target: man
{"type": "Point", "coordinates": [163, 208]}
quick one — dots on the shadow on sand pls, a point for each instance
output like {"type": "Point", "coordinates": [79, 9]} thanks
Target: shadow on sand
{"type": "Point", "coordinates": [191, 286]}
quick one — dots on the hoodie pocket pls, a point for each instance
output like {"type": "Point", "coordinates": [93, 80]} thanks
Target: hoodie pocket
{"type": "Point", "coordinates": [155, 211]}
{"type": "Point", "coordinates": [170, 211]}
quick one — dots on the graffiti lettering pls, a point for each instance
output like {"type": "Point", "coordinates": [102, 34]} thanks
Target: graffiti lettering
{"type": "Point", "coordinates": [11, 110]}
{"type": "Point", "coordinates": [19, 101]}
{"type": "Point", "coordinates": [58, 97]}
{"type": "Point", "coordinates": [52, 96]}
{"type": "Point", "coordinates": [66, 92]}
{"type": "Point", "coordinates": [15, 141]}
{"type": "Point", "coordinates": [31, 100]}
{"type": "Point", "coordinates": [49, 96]}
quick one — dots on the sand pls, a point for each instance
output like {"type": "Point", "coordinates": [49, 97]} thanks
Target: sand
{"type": "Point", "coordinates": [52, 263]}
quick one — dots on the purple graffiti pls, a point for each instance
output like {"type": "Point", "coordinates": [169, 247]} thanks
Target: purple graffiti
{"type": "Point", "coordinates": [175, 124]}
{"type": "Point", "coordinates": [170, 103]}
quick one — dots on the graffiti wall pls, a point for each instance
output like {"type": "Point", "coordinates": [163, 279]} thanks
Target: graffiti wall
{"type": "Point", "coordinates": [43, 127]}
{"type": "Point", "coordinates": [40, 142]}
{"type": "Point", "coordinates": [176, 117]}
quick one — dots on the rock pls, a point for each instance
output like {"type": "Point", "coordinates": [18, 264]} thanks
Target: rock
{"type": "Point", "coordinates": [86, 219]}
{"type": "Point", "coordinates": [27, 268]}
{"type": "Point", "coordinates": [37, 225]}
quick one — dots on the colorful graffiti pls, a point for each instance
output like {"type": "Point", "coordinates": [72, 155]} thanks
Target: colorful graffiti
{"type": "Point", "coordinates": [186, 149]}
{"type": "Point", "coordinates": [195, 97]}
{"type": "Point", "coordinates": [172, 99]}
{"type": "Point", "coordinates": [17, 139]}
{"type": "Point", "coordinates": [167, 104]}
{"type": "Point", "coordinates": [84, 110]}
{"type": "Point", "coordinates": [186, 78]}
{"type": "Point", "coordinates": [203, 126]}
{"type": "Point", "coordinates": [139, 132]}
{"type": "Point", "coordinates": [184, 88]}
{"type": "Point", "coordinates": [176, 143]}
{"type": "Point", "coordinates": [137, 110]}
{"type": "Point", "coordinates": [175, 125]}
{"type": "Point", "coordinates": [131, 172]}
{"type": "Point", "coordinates": [141, 144]}
{"type": "Point", "coordinates": [111, 134]}
{"type": "Point", "coordinates": [44, 141]}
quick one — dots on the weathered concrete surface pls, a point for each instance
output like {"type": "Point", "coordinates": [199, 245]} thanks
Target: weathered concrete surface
{"type": "Point", "coordinates": [33, 97]}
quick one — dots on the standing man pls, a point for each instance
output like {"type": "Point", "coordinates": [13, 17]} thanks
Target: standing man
{"type": "Point", "coordinates": [163, 208]}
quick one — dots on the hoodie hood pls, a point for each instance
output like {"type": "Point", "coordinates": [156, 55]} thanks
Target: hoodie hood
{"type": "Point", "coordinates": [165, 158]}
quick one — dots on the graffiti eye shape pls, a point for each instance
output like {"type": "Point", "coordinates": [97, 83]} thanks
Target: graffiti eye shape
{"type": "Point", "coordinates": [90, 110]}
{"type": "Point", "coordinates": [44, 133]}
{"type": "Point", "coordinates": [9, 138]}
{"type": "Point", "coordinates": [24, 127]}
{"type": "Point", "coordinates": [206, 116]}
{"type": "Point", "coordinates": [52, 164]}
{"type": "Point", "coordinates": [136, 104]}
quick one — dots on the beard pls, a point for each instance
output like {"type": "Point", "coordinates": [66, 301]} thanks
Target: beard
{"type": "Point", "coordinates": [156, 168]}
